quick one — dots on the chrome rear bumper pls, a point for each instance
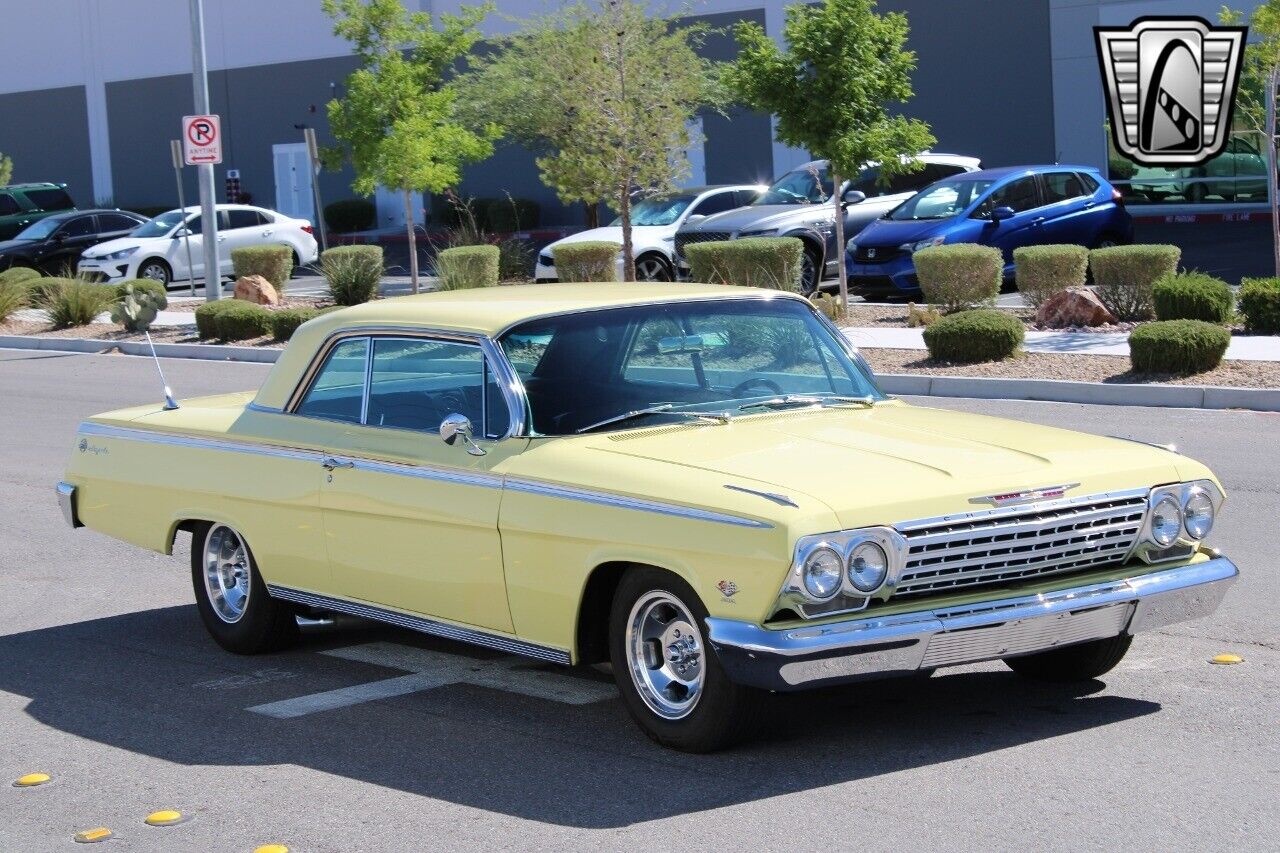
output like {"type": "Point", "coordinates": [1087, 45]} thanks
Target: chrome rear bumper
{"type": "Point", "coordinates": [810, 656]}
{"type": "Point", "coordinates": [67, 500]}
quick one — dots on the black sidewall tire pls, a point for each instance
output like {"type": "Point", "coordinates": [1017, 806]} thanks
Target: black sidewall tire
{"type": "Point", "coordinates": [725, 714]}
{"type": "Point", "coordinates": [267, 624]}
{"type": "Point", "coordinates": [667, 269]}
{"type": "Point", "coordinates": [168, 273]}
{"type": "Point", "coordinates": [810, 287]}
{"type": "Point", "coordinates": [1081, 662]}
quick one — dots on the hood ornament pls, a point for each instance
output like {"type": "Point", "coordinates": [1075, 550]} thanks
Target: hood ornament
{"type": "Point", "coordinates": [1026, 496]}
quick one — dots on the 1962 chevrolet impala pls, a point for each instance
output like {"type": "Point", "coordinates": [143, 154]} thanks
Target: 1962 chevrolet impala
{"type": "Point", "coordinates": [702, 485]}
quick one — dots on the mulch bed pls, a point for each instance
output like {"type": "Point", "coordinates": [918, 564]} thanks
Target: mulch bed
{"type": "Point", "coordinates": [189, 306]}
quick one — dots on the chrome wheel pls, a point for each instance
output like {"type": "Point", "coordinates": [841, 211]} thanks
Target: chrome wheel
{"type": "Point", "coordinates": [155, 271]}
{"type": "Point", "coordinates": [665, 654]}
{"type": "Point", "coordinates": [652, 269]}
{"type": "Point", "coordinates": [227, 579]}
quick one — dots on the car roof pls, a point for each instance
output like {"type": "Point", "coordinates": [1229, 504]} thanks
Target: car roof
{"type": "Point", "coordinates": [924, 156]}
{"type": "Point", "coordinates": [71, 214]}
{"type": "Point", "coordinates": [483, 311]}
{"type": "Point", "coordinates": [1001, 172]}
{"type": "Point", "coordinates": [38, 185]}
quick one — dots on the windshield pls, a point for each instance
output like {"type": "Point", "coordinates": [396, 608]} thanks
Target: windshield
{"type": "Point", "coordinates": [40, 229]}
{"type": "Point", "coordinates": [657, 211]}
{"type": "Point", "coordinates": [160, 226]}
{"type": "Point", "coordinates": [806, 185]}
{"type": "Point", "coordinates": [942, 200]}
{"type": "Point", "coordinates": [679, 360]}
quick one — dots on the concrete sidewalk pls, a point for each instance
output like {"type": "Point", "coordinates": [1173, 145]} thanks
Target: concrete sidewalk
{"type": "Point", "coordinates": [1245, 348]}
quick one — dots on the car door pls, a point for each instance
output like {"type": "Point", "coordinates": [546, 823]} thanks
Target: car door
{"type": "Point", "coordinates": [1022, 195]}
{"type": "Point", "coordinates": [1069, 210]}
{"type": "Point", "coordinates": [410, 522]}
{"type": "Point", "coordinates": [66, 243]}
{"type": "Point", "coordinates": [176, 251]}
{"type": "Point", "coordinates": [244, 228]}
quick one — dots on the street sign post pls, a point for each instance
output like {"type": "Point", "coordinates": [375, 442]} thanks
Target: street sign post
{"type": "Point", "coordinates": [175, 148]}
{"type": "Point", "coordinates": [204, 131]}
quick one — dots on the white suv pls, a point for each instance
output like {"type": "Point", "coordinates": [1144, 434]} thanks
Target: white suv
{"type": "Point", "coordinates": [157, 249]}
{"type": "Point", "coordinates": [654, 222]}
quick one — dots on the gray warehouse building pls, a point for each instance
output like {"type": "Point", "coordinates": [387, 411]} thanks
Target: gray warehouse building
{"type": "Point", "coordinates": [1009, 81]}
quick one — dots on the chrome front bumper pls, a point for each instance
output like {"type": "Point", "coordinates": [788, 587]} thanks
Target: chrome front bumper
{"type": "Point", "coordinates": [811, 656]}
{"type": "Point", "coordinates": [67, 500]}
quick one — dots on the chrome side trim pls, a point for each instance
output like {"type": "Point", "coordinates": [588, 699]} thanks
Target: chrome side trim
{"type": "Point", "coordinates": [533, 487]}
{"type": "Point", "coordinates": [424, 472]}
{"type": "Point", "coordinates": [474, 636]}
{"type": "Point", "coordinates": [67, 501]}
{"type": "Point", "coordinates": [201, 443]}
{"type": "Point", "coordinates": [255, 406]}
{"type": "Point", "coordinates": [780, 500]}
{"type": "Point", "coordinates": [1172, 448]}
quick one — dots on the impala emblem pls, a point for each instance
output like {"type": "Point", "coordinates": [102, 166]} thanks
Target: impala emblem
{"type": "Point", "coordinates": [1171, 84]}
{"type": "Point", "coordinates": [1044, 493]}
{"type": "Point", "coordinates": [727, 588]}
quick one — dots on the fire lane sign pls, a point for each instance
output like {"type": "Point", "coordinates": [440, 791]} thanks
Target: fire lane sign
{"type": "Point", "coordinates": [201, 140]}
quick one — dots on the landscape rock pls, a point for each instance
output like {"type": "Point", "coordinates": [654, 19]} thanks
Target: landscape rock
{"type": "Point", "coordinates": [255, 288]}
{"type": "Point", "coordinates": [1077, 306]}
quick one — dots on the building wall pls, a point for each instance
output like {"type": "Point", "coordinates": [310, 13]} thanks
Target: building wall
{"type": "Point", "coordinates": [46, 133]}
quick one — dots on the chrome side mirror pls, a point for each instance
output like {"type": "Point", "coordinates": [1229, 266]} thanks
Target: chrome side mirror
{"type": "Point", "coordinates": [457, 427]}
{"type": "Point", "coordinates": [854, 197]}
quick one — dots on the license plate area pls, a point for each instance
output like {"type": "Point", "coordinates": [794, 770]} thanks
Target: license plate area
{"type": "Point", "coordinates": [1023, 636]}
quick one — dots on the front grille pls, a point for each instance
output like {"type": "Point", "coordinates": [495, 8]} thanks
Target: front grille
{"type": "Point", "coordinates": [1004, 546]}
{"type": "Point", "coordinates": [684, 238]}
{"type": "Point", "coordinates": [877, 254]}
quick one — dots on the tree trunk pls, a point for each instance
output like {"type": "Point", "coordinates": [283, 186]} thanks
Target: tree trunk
{"type": "Point", "coordinates": [628, 262]}
{"type": "Point", "coordinates": [844, 276]}
{"type": "Point", "coordinates": [1273, 83]}
{"type": "Point", "coordinates": [592, 213]}
{"type": "Point", "coordinates": [413, 239]}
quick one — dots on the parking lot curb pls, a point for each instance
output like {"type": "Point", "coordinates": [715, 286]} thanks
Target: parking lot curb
{"type": "Point", "coordinates": [208, 352]}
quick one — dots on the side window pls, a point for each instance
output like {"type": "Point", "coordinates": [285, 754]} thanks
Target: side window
{"type": "Point", "coordinates": [718, 203]}
{"type": "Point", "coordinates": [54, 199]}
{"type": "Point", "coordinates": [337, 393]}
{"type": "Point", "coordinates": [1020, 195]}
{"type": "Point", "coordinates": [108, 222]}
{"type": "Point", "coordinates": [1089, 182]}
{"type": "Point", "coordinates": [243, 219]}
{"type": "Point", "coordinates": [415, 383]}
{"type": "Point", "coordinates": [1062, 186]}
{"type": "Point", "coordinates": [746, 197]}
{"type": "Point", "coordinates": [196, 224]}
{"type": "Point", "coordinates": [938, 171]}
{"type": "Point", "coordinates": [8, 205]}
{"type": "Point", "coordinates": [81, 226]}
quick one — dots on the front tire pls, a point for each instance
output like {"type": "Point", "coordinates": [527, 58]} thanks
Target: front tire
{"type": "Point", "coordinates": [669, 678]}
{"type": "Point", "coordinates": [1081, 662]}
{"type": "Point", "coordinates": [156, 270]}
{"type": "Point", "coordinates": [653, 267]}
{"type": "Point", "coordinates": [810, 272]}
{"type": "Point", "coordinates": [234, 604]}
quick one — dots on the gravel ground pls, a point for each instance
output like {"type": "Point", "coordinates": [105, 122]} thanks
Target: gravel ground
{"type": "Point", "coordinates": [1074, 368]}
{"type": "Point", "coordinates": [111, 332]}
{"type": "Point", "coordinates": [187, 305]}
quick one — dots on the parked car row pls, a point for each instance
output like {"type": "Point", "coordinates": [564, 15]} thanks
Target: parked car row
{"type": "Point", "coordinates": [23, 204]}
{"type": "Point", "coordinates": [950, 200]}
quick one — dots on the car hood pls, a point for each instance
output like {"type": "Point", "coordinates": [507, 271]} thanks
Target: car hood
{"type": "Point", "coordinates": [102, 249]}
{"type": "Point", "coordinates": [761, 216]}
{"type": "Point", "coordinates": [7, 246]}
{"type": "Point", "coordinates": [889, 232]}
{"type": "Point", "coordinates": [897, 462]}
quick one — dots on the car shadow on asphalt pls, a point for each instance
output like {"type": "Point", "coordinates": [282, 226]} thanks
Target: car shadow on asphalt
{"type": "Point", "coordinates": [152, 683]}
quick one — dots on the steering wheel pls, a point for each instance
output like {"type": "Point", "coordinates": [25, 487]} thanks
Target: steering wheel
{"type": "Point", "coordinates": [741, 389]}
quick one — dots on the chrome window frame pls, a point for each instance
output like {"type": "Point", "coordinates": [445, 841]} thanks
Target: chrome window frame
{"type": "Point", "coordinates": [494, 359]}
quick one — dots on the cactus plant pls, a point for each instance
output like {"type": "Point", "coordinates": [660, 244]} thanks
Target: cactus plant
{"type": "Point", "coordinates": [136, 310]}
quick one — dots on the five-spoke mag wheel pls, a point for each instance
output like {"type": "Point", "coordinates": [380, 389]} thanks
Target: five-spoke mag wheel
{"type": "Point", "coordinates": [234, 603]}
{"type": "Point", "coordinates": [665, 655]}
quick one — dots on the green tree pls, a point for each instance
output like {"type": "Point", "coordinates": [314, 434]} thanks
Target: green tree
{"type": "Point", "coordinates": [396, 123]}
{"type": "Point", "coordinates": [6, 169]}
{"type": "Point", "coordinates": [605, 96]}
{"type": "Point", "coordinates": [831, 89]}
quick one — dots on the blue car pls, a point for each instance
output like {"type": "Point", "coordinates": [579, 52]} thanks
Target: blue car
{"type": "Point", "coordinates": [1006, 208]}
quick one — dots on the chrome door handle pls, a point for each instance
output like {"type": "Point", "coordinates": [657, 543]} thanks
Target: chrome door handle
{"type": "Point", "coordinates": [329, 463]}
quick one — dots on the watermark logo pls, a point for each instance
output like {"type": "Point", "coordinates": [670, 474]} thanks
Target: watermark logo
{"type": "Point", "coordinates": [1171, 85]}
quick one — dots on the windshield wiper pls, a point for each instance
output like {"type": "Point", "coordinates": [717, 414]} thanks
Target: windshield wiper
{"type": "Point", "coordinates": [660, 408]}
{"type": "Point", "coordinates": [825, 401]}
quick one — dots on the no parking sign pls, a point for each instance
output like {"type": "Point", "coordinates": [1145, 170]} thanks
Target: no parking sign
{"type": "Point", "coordinates": [201, 140]}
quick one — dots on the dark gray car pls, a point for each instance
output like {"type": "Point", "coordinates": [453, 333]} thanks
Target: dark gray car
{"type": "Point", "coordinates": [799, 205]}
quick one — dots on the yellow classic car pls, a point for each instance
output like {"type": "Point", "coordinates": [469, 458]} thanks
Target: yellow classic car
{"type": "Point", "coordinates": [701, 485]}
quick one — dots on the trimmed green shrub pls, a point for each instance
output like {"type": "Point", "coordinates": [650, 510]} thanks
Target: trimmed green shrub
{"type": "Point", "coordinates": [1260, 305]}
{"type": "Point", "coordinates": [13, 297]}
{"type": "Point", "coordinates": [960, 276]}
{"type": "Point", "coordinates": [467, 267]}
{"type": "Point", "coordinates": [1124, 276]}
{"type": "Point", "coordinates": [13, 275]}
{"type": "Point", "coordinates": [1193, 296]}
{"type": "Point", "coordinates": [350, 214]}
{"type": "Point", "coordinates": [968, 337]}
{"type": "Point", "coordinates": [285, 323]}
{"type": "Point", "coordinates": [1178, 346]}
{"type": "Point", "coordinates": [74, 301]}
{"type": "Point", "coordinates": [155, 289]}
{"type": "Point", "coordinates": [770, 262]}
{"type": "Point", "coordinates": [274, 263]}
{"type": "Point", "coordinates": [207, 314]}
{"type": "Point", "coordinates": [590, 260]}
{"type": "Point", "coordinates": [242, 320]}
{"type": "Point", "coordinates": [513, 214]}
{"type": "Point", "coordinates": [352, 273]}
{"type": "Point", "coordinates": [1042, 271]}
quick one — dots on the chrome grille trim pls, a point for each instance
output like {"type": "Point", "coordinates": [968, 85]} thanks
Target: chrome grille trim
{"type": "Point", "coordinates": [1020, 543]}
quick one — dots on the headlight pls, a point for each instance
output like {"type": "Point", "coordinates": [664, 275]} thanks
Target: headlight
{"type": "Point", "coordinates": [868, 567]}
{"type": "Point", "coordinates": [1166, 521]}
{"type": "Point", "coordinates": [922, 244]}
{"type": "Point", "coordinates": [851, 246]}
{"type": "Point", "coordinates": [1197, 513]}
{"type": "Point", "coordinates": [766, 232]}
{"type": "Point", "coordinates": [822, 571]}
{"type": "Point", "coordinates": [122, 254]}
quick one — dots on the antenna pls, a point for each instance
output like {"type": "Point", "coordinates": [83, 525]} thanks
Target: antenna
{"type": "Point", "coordinates": [169, 403]}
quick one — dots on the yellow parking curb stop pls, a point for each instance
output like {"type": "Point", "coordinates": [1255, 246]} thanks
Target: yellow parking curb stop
{"type": "Point", "coordinates": [92, 836]}
{"type": "Point", "coordinates": [31, 780]}
{"type": "Point", "coordinates": [271, 848]}
{"type": "Point", "coordinates": [1227, 659]}
{"type": "Point", "coordinates": [165, 817]}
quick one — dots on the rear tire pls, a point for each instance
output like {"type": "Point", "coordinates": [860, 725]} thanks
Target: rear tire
{"type": "Point", "coordinates": [1081, 662]}
{"type": "Point", "coordinates": [810, 272]}
{"type": "Point", "coordinates": [701, 710]}
{"type": "Point", "coordinates": [654, 267]}
{"type": "Point", "coordinates": [231, 596]}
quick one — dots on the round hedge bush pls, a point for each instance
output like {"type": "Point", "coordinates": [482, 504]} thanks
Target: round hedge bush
{"type": "Point", "coordinates": [1125, 275]}
{"type": "Point", "coordinates": [272, 262]}
{"type": "Point", "coordinates": [1260, 305]}
{"type": "Point", "coordinates": [207, 314]}
{"type": "Point", "coordinates": [773, 263]}
{"type": "Point", "coordinates": [240, 321]}
{"type": "Point", "coordinates": [1042, 271]}
{"type": "Point", "coordinates": [284, 323]}
{"type": "Point", "coordinates": [467, 267]}
{"type": "Point", "coordinates": [959, 276]}
{"type": "Point", "coordinates": [968, 337]}
{"type": "Point", "coordinates": [13, 275]}
{"type": "Point", "coordinates": [1177, 346]}
{"type": "Point", "coordinates": [590, 260]}
{"type": "Point", "coordinates": [1193, 296]}
{"type": "Point", "coordinates": [352, 272]}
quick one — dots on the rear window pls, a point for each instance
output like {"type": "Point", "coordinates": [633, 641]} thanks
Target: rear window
{"type": "Point", "coordinates": [244, 218]}
{"type": "Point", "coordinates": [54, 199]}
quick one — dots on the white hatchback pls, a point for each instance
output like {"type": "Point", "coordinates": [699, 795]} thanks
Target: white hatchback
{"type": "Point", "coordinates": [654, 222]}
{"type": "Point", "coordinates": [157, 249]}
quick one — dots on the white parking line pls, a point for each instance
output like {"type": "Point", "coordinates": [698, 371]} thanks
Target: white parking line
{"type": "Point", "coordinates": [430, 669]}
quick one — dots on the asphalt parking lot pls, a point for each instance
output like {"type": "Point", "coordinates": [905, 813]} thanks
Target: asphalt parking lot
{"type": "Point", "coordinates": [368, 738]}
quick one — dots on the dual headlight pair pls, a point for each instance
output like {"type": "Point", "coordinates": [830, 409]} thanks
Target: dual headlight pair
{"type": "Point", "coordinates": [1184, 511]}
{"type": "Point", "coordinates": [842, 571]}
